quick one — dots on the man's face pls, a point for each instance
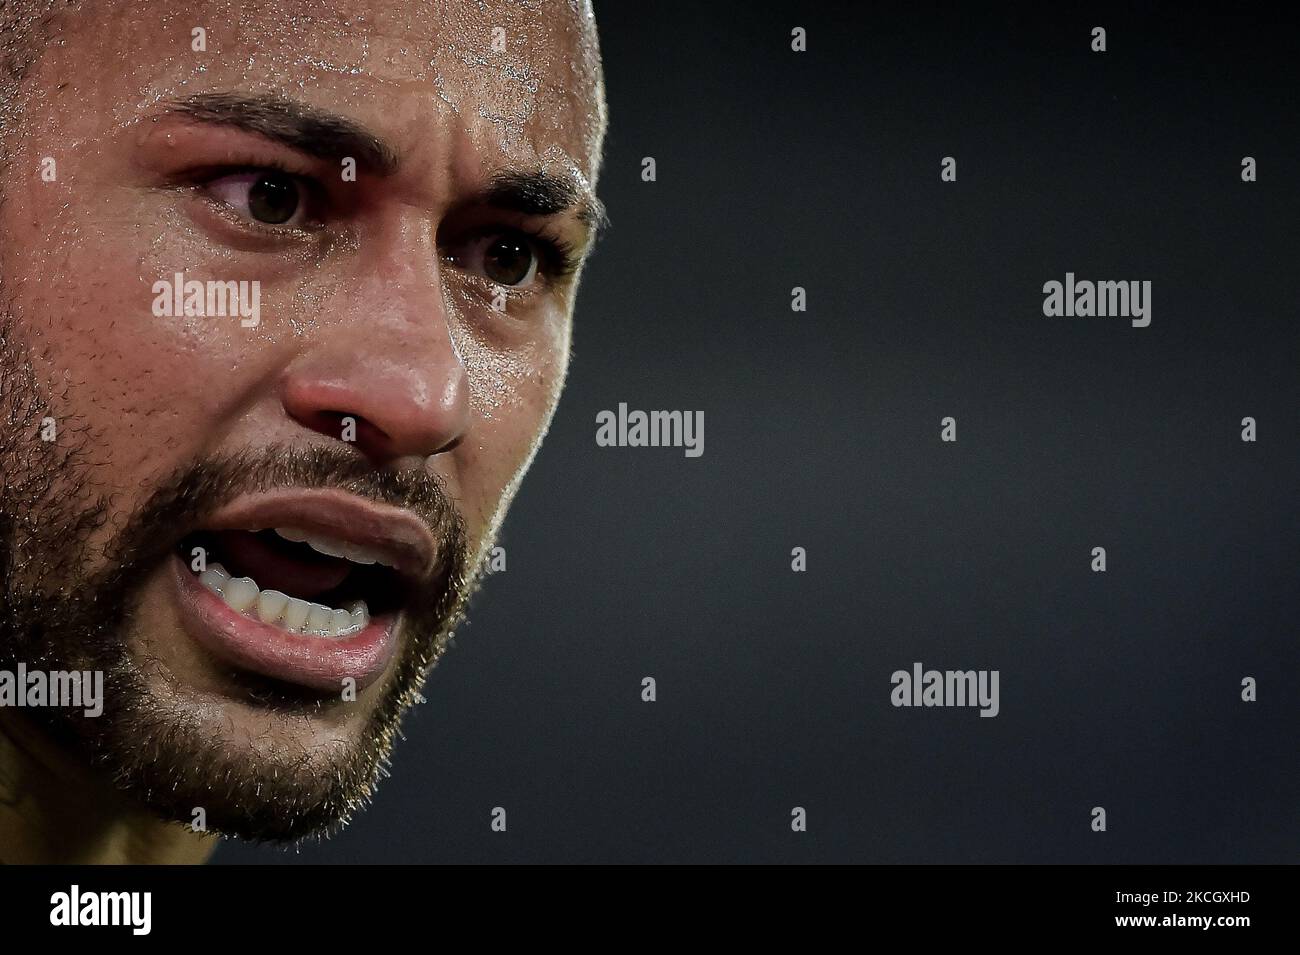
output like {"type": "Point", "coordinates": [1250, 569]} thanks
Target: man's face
{"type": "Point", "coordinates": [409, 183]}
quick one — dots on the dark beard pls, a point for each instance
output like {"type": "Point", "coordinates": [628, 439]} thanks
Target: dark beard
{"type": "Point", "coordinates": [55, 617]}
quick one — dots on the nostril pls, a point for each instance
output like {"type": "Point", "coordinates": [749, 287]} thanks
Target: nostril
{"type": "Point", "coordinates": [347, 427]}
{"type": "Point", "coordinates": [451, 445]}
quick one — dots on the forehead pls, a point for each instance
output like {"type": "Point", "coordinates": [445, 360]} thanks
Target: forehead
{"type": "Point", "coordinates": [520, 80]}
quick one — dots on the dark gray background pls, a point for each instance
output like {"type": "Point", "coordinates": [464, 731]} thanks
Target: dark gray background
{"type": "Point", "coordinates": [821, 169]}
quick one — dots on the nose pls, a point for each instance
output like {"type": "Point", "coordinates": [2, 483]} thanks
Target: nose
{"type": "Point", "coordinates": [388, 410]}
{"type": "Point", "coordinates": [383, 373]}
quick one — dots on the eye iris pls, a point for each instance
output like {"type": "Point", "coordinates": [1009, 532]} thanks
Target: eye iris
{"type": "Point", "coordinates": [273, 198]}
{"type": "Point", "coordinates": [508, 260]}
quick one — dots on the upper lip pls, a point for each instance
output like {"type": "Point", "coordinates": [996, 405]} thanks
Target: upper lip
{"type": "Point", "coordinates": [404, 540]}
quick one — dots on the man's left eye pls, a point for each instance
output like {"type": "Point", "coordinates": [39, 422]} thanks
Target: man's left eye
{"type": "Point", "coordinates": [267, 196]}
{"type": "Point", "coordinates": [507, 258]}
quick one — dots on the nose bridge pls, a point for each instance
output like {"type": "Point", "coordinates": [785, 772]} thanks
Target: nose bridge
{"type": "Point", "coordinates": [402, 249]}
{"type": "Point", "coordinates": [382, 369]}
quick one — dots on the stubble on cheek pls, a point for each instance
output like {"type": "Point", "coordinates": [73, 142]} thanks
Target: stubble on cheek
{"type": "Point", "coordinates": [50, 508]}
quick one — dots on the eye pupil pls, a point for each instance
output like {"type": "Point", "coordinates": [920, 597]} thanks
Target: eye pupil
{"type": "Point", "coordinates": [508, 260]}
{"type": "Point", "coordinates": [273, 198]}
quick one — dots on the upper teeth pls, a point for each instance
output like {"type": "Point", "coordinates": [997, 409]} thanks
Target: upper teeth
{"type": "Point", "coordinates": [289, 613]}
{"type": "Point", "coordinates": [332, 546]}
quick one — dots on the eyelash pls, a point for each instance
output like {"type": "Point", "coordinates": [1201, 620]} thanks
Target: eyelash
{"type": "Point", "coordinates": [557, 256]}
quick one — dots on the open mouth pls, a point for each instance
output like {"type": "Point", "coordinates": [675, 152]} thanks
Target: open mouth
{"type": "Point", "coordinates": [306, 586]}
{"type": "Point", "coordinates": [297, 580]}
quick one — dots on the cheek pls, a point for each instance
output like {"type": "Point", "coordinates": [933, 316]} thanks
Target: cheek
{"type": "Point", "coordinates": [83, 277]}
{"type": "Point", "coordinates": [514, 390]}
{"type": "Point", "coordinates": [135, 388]}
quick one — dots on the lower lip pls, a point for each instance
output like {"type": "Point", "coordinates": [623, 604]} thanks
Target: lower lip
{"type": "Point", "coordinates": [321, 663]}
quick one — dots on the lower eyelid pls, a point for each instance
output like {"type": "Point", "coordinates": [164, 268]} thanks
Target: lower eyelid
{"type": "Point", "coordinates": [486, 288]}
{"type": "Point", "coordinates": [237, 231]}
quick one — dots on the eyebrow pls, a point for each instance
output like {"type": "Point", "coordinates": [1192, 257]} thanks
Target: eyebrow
{"type": "Point", "coordinates": [328, 136]}
{"type": "Point", "coordinates": [537, 193]}
{"type": "Point", "coordinates": [301, 127]}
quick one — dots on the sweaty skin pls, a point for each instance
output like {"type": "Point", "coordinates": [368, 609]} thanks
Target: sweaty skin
{"type": "Point", "coordinates": [379, 310]}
